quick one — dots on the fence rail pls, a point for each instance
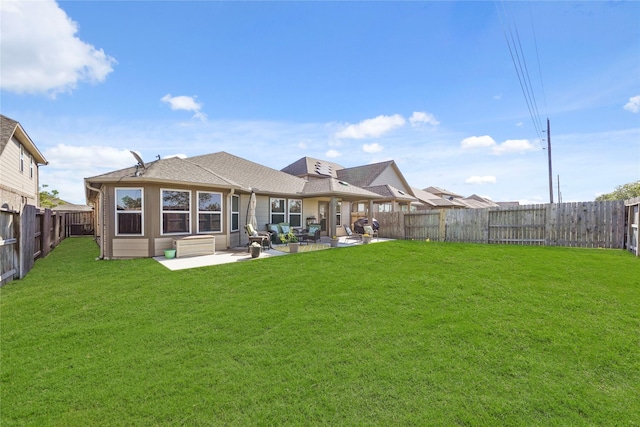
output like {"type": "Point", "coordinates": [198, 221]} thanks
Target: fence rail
{"type": "Point", "coordinates": [584, 224]}
{"type": "Point", "coordinates": [29, 235]}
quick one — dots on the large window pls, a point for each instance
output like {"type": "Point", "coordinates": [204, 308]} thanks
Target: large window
{"type": "Point", "coordinates": [278, 211]}
{"type": "Point", "coordinates": [21, 158]}
{"type": "Point", "coordinates": [129, 211]}
{"type": "Point", "coordinates": [283, 210]}
{"type": "Point", "coordinates": [339, 214]}
{"type": "Point", "coordinates": [176, 211]}
{"type": "Point", "coordinates": [235, 213]}
{"type": "Point", "coordinates": [209, 212]}
{"type": "Point", "coordinates": [295, 212]}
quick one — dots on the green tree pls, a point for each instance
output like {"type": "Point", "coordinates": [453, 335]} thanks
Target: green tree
{"type": "Point", "coordinates": [622, 192]}
{"type": "Point", "coordinates": [49, 199]}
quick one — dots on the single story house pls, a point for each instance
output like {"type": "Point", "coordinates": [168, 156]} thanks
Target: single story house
{"type": "Point", "coordinates": [141, 209]}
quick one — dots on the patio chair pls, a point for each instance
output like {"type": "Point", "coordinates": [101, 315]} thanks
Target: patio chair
{"type": "Point", "coordinates": [351, 234]}
{"type": "Point", "coordinates": [275, 231]}
{"type": "Point", "coordinates": [371, 231]}
{"type": "Point", "coordinates": [262, 237]}
{"type": "Point", "coordinates": [313, 233]}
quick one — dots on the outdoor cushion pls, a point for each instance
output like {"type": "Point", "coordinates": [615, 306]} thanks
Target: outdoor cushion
{"type": "Point", "coordinates": [284, 226]}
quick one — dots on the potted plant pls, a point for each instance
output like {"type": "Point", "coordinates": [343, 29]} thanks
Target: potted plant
{"type": "Point", "coordinates": [255, 249]}
{"type": "Point", "coordinates": [334, 241]}
{"type": "Point", "coordinates": [366, 238]}
{"type": "Point", "coordinates": [293, 242]}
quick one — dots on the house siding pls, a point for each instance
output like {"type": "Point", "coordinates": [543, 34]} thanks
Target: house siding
{"type": "Point", "coordinates": [17, 187]}
{"type": "Point", "coordinates": [390, 177]}
{"type": "Point", "coordinates": [153, 242]}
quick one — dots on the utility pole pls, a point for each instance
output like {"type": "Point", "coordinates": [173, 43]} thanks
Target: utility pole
{"type": "Point", "coordinates": [549, 154]}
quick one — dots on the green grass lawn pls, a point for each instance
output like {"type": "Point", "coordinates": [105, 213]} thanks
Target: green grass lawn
{"type": "Point", "coordinates": [396, 333]}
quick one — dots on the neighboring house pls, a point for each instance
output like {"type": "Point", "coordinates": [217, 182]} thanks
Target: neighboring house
{"type": "Point", "coordinates": [141, 209]}
{"type": "Point", "coordinates": [431, 201]}
{"type": "Point", "coordinates": [20, 161]}
{"type": "Point", "coordinates": [384, 179]}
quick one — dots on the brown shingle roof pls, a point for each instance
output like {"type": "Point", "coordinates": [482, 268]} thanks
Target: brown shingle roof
{"type": "Point", "coordinates": [363, 176]}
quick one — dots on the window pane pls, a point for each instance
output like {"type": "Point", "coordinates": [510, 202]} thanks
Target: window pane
{"type": "Point", "coordinates": [295, 206]}
{"type": "Point", "coordinates": [129, 200]}
{"type": "Point", "coordinates": [209, 222]}
{"type": "Point", "coordinates": [277, 205]}
{"type": "Point", "coordinates": [235, 222]}
{"type": "Point", "coordinates": [295, 220]}
{"type": "Point", "coordinates": [211, 202]}
{"type": "Point", "coordinates": [277, 218]}
{"type": "Point", "coordinates": [129, 223]}
{"type": "Point", "coordinates": [175, 200]}
{"type": "Point", "coordinates": [235, 204]}
{"type": "Point", "coordinates": [175, 222]}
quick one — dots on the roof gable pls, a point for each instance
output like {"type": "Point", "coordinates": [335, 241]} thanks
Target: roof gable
{"type": "Point", "coordinates": [10, 128]}
{"type": "Point", "coordinates": [308, 166]}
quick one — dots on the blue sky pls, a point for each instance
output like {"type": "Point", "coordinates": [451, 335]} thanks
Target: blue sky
{"type": "Point", "coordinates": [431, 85]}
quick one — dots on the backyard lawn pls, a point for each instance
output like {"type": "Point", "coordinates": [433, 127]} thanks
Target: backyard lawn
{"type": "Point", "coordinates": [396, 333]}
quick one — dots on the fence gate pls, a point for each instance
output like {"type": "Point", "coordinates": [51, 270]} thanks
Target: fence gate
{"type": "Point", "coordinates": [523, 225]}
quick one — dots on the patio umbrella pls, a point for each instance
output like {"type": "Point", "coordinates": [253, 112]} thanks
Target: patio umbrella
{"type": "Point", "coordinates": [252, 211]}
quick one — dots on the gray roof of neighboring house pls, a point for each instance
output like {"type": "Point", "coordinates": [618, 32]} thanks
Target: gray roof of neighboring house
{"type": "Point", "coordinates": [9, 128]}
{"type": "Point", "coordinates": [433, 200]}
{"type": "Point", "coordinates": [310, 166]}
{"type": "Point", "coordinates": [335, 187]}
{"type": "Point", "coordinates": [477, 202]}
{"type": "Point", "coordinates": [363, 176]}
{"type": "Point", "coordinates": [441, 191]}
{"type": "Point", "coordinates": [70, 207]}
{"type": "Point", "coordinates": [390, 192]}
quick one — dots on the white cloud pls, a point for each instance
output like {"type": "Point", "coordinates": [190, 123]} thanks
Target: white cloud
{"type": "Point", "coordinates": [372, 148]}
{"type": "Point", "coordinates": [187, 103]}
{"type": "Point", "coordinates": [474, 142]}
{"type": "Point", "coordinates": [519, 124]}
{"type": "Point", "coordinates": [372, 127]}
{"type": "Point", "coordinates": [508, 146]}
{"type": "Point", "coordinates": [45, 54]}
{"type": "Point", "coordinates": [633, 105]}
{"type": "Point", "coordinates": [513, 146]}
{"type": "Point", "coordinates": [420, 117]}
{"type": "Point", "coordinates": [64, 156]}
{"type": "Point", "coordinates": [332, 154]}
{"type": "Point", "coordinates": [487, 179]}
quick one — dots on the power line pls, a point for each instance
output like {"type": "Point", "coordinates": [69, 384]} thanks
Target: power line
{"type": "Point", "coordinates": [515, 50]}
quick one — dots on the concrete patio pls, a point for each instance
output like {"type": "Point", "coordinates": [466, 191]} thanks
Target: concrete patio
{"type": "Point", "coordinates": [241, 254]}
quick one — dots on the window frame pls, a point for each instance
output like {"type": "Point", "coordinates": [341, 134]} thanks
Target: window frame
{"type": "Point", "coordinates": [235, 199]}
{"type": "Point", "coordinates": [219, 213]}
{"type": "Point", "coordinates": [132, 211]}
{"type": "Point", "coordinates": [272, 212]}
{"type": "Point", "coordinates": [162, 212]}
{"type": "Point", "coordinates": [21, 165]}
{"type": "Point", "coordinates": [339, 214]}
{"type": "Point", "coordinates": [294, 214]}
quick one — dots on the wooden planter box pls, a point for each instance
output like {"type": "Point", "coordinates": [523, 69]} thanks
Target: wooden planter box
{"type": "Point", "coordinates": [194, 245]}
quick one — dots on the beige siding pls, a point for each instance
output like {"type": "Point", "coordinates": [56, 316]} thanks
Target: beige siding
{"type": "Point", "coordinates": [390, 177]}
{"type": "Point", "coordinates": [130, 248]}
{"type": "Point", "coordinates": [14, 184]}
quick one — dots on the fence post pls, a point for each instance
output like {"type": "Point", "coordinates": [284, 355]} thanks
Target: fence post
{"type": "Point", "coordinates": [27, 231]}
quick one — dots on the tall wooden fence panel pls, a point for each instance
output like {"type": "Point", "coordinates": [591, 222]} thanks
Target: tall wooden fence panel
{"type": "Point", "coordinates": [521, 225]}
{"type": "Point", "coordinates": [9, 260]}
{"type": "Point", "coordinates": [585, 224]}
{"type": "Point", "coordinates": [25, 237]}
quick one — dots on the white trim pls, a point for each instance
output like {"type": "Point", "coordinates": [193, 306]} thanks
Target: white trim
{"type": "Point", "coordinates": [162, 211]}
{"type": "Point", "coordinates": [237, 198]}
{"type": "Point", "coordinates": [141, 211]}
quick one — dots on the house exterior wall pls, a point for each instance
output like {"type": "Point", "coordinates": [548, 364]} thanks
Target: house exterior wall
{"type": "Point", "coordinates": [17, 187]}
{"type": "Point", "coordinates": [390, 177]}
{"type": "Point", "coordinates": [153, 242]}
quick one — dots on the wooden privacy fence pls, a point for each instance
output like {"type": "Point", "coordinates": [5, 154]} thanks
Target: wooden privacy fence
{"type": "Point", "coordinates": [583, 224]}
{"type": "Point", "coordinates": [27, 236]}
